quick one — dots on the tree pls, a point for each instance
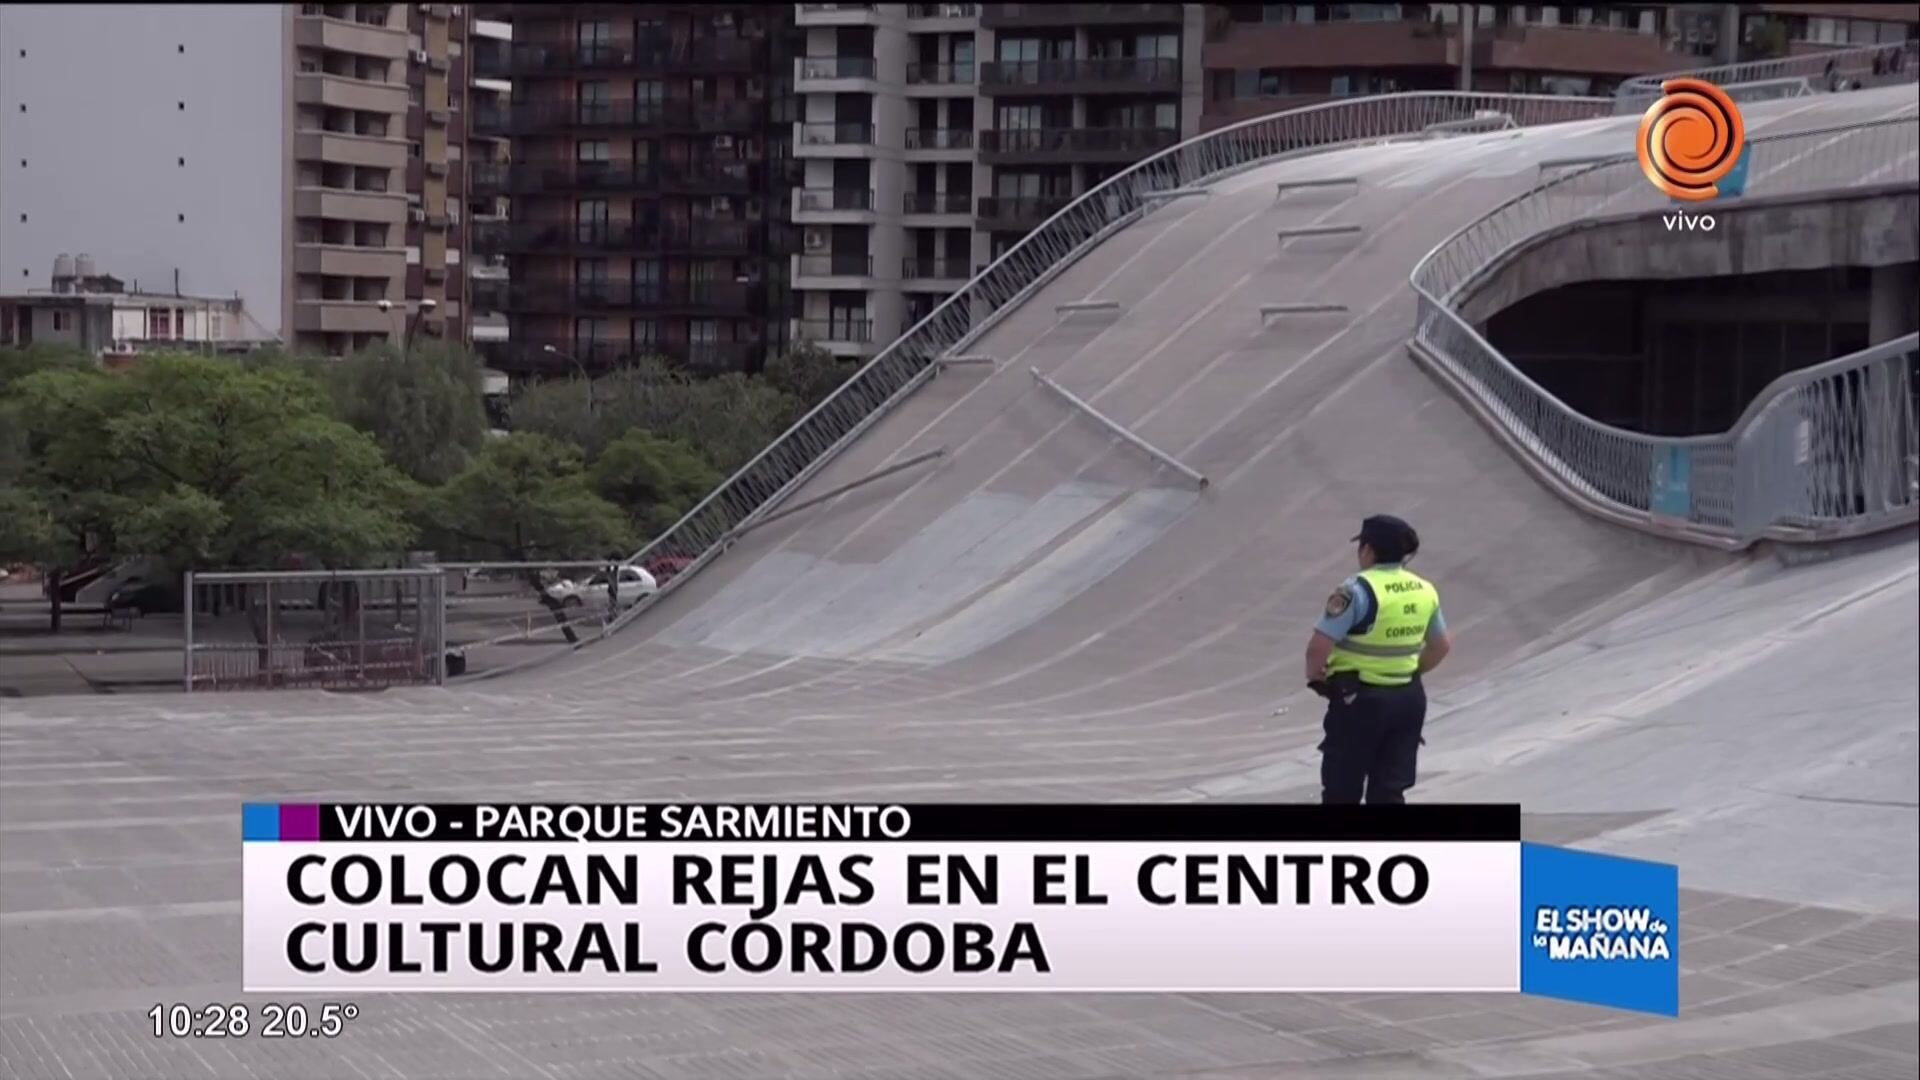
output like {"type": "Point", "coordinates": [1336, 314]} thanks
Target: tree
{"type": "Point", "coordinates": [727, 419]}
{"type": "Point", "coordinates": [424, 406]}
{"type": "Point", "coordinates": [655, 480]}
{"type": "Point", "coordinates": [199, 462]}
{"type": "Point", "coordinates": [525, 498]}
{"type": "Point", "coordinates": [809, 373]}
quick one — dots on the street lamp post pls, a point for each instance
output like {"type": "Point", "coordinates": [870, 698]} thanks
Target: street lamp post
{"type": "Point", "coordinates": [421, 308]}
{"type": "Point", "coordinates": [579, 369]}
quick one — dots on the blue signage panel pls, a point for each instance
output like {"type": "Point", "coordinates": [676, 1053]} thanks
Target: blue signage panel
{"type": "Point", "coordinates": [1600, 929]}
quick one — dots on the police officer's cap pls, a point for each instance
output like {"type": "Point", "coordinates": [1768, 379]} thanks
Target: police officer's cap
{"type": "Point", "coordinates": [1390, 538]}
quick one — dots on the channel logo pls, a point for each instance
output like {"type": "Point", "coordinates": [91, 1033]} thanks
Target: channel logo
{"type": "Point", "coordinates": [1691, 138]}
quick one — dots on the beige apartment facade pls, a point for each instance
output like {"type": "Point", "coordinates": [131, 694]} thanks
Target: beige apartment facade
{"type": "Point", "coordinates": [304, 157]}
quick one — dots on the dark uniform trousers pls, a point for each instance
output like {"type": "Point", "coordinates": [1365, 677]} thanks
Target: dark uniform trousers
{"type": "Point", "coordinates": [1372, 742]}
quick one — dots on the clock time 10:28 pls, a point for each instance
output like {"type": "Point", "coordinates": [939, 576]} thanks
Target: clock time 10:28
{"type": "Point", "coordinates": [233, 1020]}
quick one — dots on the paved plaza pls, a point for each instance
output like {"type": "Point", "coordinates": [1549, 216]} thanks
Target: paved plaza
{"type": "Point", "coordinates": [1044, 616]}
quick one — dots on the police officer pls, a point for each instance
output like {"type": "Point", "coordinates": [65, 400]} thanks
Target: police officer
{"type": "Point", "coordinates": [1382, 630]}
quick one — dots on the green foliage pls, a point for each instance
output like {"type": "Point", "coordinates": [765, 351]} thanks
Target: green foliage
{"type": "Point", "coordinates": [808, 373]}
{"type": "Point", "coordinates": [27, 532]}
{"type": "Point", "coordinates": [203, 462]}
{"type": "Point", "coordinates": [422, 405]}
{"type": "Point", "coordinates": [654, 480]}
{"type": "Point", "coordinates": [526, 497]}
{"type": "Point", "coordinates": [17, 364]}
{"type": "Point", "coordinates": [727, 419]}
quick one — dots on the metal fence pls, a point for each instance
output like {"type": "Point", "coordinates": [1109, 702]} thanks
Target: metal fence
{"type": "Point", "coordinates": [1870, 65]}
{"type": "Point", "coordinates": [314, 629]}
{"type": "Point", "coordinates": [757, 487]}
{"type": "Point", "coordinates": [1824, 452]}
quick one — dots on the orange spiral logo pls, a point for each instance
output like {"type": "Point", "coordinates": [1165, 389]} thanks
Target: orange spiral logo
{"type": "Point", "coordinates": [1690, 139]}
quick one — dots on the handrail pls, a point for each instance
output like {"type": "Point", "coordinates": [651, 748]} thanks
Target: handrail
{"type": "Point", "coordinates": [1633, 94]}
{"type": "Point", "coordinates": [1822, 453]}
{"type": "Point", "coordinates": [813, 440]}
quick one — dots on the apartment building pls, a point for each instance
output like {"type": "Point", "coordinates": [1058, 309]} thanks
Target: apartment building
{"type": "Point", "coordinates": [488, 156]}
{"type": "Point", "coordinates": [649, 183]}
{"type": "Point", "coordinates": [935, 136]}
{"type": "Point", "coordinates": [1261, 58]}
{"type": "Point", "coordinates": [296, 155]}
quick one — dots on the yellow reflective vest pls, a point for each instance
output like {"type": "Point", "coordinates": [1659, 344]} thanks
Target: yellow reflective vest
{"type": "Point", "coordinates": [1384, 648]}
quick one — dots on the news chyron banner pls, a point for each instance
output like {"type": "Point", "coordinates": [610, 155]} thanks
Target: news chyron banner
{"type": "Point", "coordinates": [944, 897]}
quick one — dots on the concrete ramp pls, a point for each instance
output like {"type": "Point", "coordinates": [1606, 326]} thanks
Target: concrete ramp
{"type": "Point", "coordinates": [1049, 614]}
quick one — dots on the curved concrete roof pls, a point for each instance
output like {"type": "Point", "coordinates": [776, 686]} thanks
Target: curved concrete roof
{"type": "Point", "coordinates": [1045, 614]}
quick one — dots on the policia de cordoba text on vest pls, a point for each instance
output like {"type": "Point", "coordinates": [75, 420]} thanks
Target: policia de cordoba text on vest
{"type": "Point", "coordinates": [1382, 630]}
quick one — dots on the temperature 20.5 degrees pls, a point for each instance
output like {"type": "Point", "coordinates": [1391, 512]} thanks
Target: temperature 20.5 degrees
{"type": "Point", "coordinates": [233, 1020]}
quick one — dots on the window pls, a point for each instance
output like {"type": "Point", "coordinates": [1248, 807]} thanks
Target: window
{"type": "Point", "coordinates": [414, 150]}
{"type": "Point", "coordinates": [591, 35]}
{"type": "Point", "coordinates": [590, 271]}
{"type": "Point", "coordinates": [1157, 47]}
{"type": "Point", "coordinates": [646, 281]}
{"type": "Point", "coordinates": [646, 334]}
{"type": "Point", "coordinates": [593, 150]}
{"type": "Point", "coordinates": [1019, 50]}
{"type": "Point", "coordinates": [62, 321]}
{"type": "Point", "coordinates": [596, 102]}
{"type": "Point", "coordinates": [649, 91]}
{"type": "Point", "coordinates": [216, 331]}
{"type": "Point", "coordinates": [1020, 118]}
{"type": "Point", "coordinates": [453, 209]}
{"type": "Point", "coordinates": [590, 220]}
{"type": "Point", "coordinates": [159, 323]}
{"type": "Point", "coordinates": [416, 96]}
{"type": "Point", "coordinates": [847, 319]}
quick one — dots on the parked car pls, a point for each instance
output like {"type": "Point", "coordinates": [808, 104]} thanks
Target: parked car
{"type": "Point", "coordinates": [635, 585]}
{"type": "Point", "coordinates": [664, 567]}
{"type": "Point", "coordinates": [146, 597]}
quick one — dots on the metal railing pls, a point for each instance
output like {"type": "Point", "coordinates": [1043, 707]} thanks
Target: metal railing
{"type": "Point", "coordinates": [1822, 453]}
{"type": "Point", "coordinates": [1857, 63]}
{"type": "Point", "coordinates": [897, 370]}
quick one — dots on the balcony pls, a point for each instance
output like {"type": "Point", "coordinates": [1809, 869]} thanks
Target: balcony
{"type": "Point", "coordinates": [955, 270]}
{"type": "Point", "coordinates": [937, 202]}
{"type": "Point", "coordinates": [340, 204]}
{"type": "Point", "coordinates": [1041, 146]}
{"type": "Point", "coordinates": [342, 148]}
{"type": "Point", "coordinates": [505, 62]}
{"type": "Point", "coordinates": [842, 14]}
{"type": "Point", "coordinates": [533, 178]}
{"type": "Point", "coordinates": [1112, 76]}
{"type": "Point", "coordinates": [710, 177]}
{"type": "Point", "coordinates": [958, 139]}
{"type": "Point", "coordinates": [830, 199]}
{"type": "Point", "coordinates": [716, 55]}
{"type": "Point", "coordinates": [813, 69]}
{"type": "Point", "coordinates": [939, 75]}
{"type": "Point", "coordinates": [717, 237]}
{"type": "Point", "coordinates": [343, 260]}
{"type": "Point", "coordinates": [834, 265]}
{"type": "Point", "coordinates": [341, 92]}
{"type": "Point", "coordinates": [831, 134]}
{"type": "Point", "coordinates": [343, 317]}
{"type": "Point", "coordinates": [1018, 214]}
{"type": "Point", "coordinates": [942, 13]}
{"type": "Point", "coordinates": [537, 237]}
{"type": "Point", "coordinates": [835, 331]}
{"type": "Point", "coordinates": [349, 36]}
{"type": "Point", "coordinates": [996, 16]}
{"type": "Point", "coordinates": [530, 118]}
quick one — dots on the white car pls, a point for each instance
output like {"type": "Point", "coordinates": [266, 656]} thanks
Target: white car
{"type": "Point", "coordinates": [635, 585]}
